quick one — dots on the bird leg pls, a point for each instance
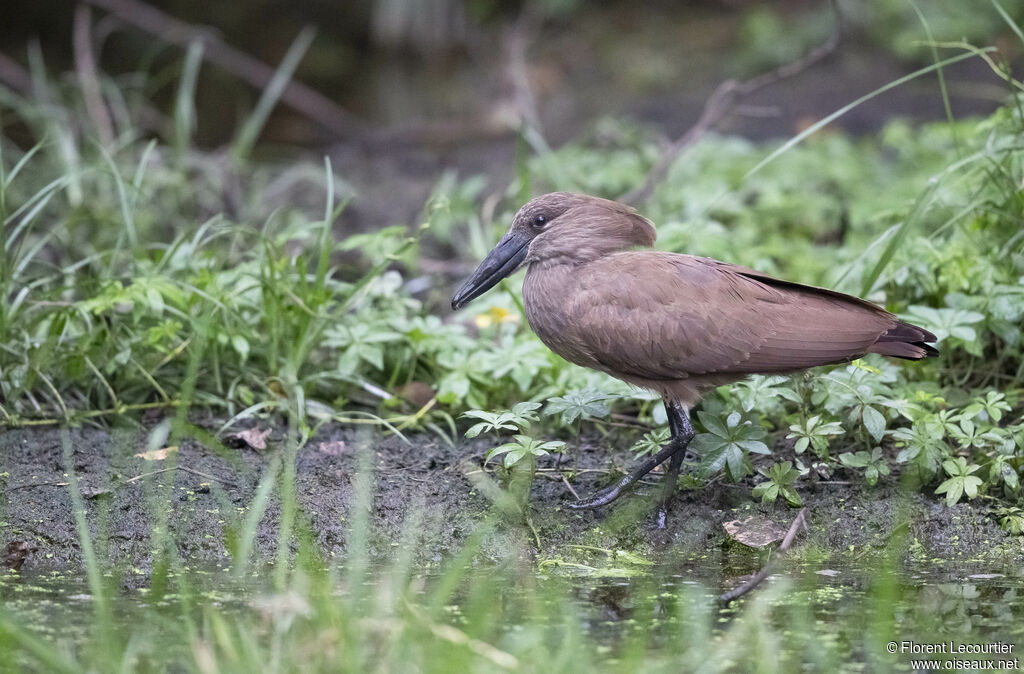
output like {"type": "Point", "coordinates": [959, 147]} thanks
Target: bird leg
{"type": "Point", "coordinates": [682, 433]}
{"type": "Point", "coordinates": [679, 423]}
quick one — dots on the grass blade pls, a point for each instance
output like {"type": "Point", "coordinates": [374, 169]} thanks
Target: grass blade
{"type": "Point", "coordinates": [1009, 21]}
{"type": "Point", "coordinates": [813, 128]}
{"type": "Point", "coordinates": [254, 514]}
{"type": "Point", "coordinates": [250, 131]}
{"type": "Point", "coordinates": [185, 99]}
{"type": "Point", "coordinates": [942, 78]}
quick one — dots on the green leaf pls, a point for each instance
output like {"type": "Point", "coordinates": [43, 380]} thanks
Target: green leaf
{"type": "Point", "coordinates": [475, 430]}
{"type": "Point", "coordinates": [874, 421]}
{"type": "Point", "coordinates": [953, 488]}
{"type": "Point", "coordinates": [514, 456]}
{"type": "Point", "coordinates": [723, 456]}
{"type": "Point", "coordinates": [971, 484]}
{"type": "Point", "coordinates": [523, 446]}
{"type": "Point", "coordinates": [525, 409]}
{"type": "Point", "coordinates": [766, 491]}
{"type": "Point", "coordinates": [585, 404]}
{"type": "Point", "coordinates": [712, 424]}
{"type": "Point", "coordinates": [1010, 477]}
{"type": "Point", "coordinates": [241, 346]}
{"type": "Point", "coordinates": [791, 496]}
{"type": "Point", "coordinates": [858, 460]}
{"type": "Point", "coordinates": [650, 443]}
{"type": "Point", "coordinates": [960, 481]}
{"type": "Point", "coordinates": [755, 446]}
{"type": "Point", "coordinates": [781, 477]}
{"type": "Point", "coordinates": [735, 463]}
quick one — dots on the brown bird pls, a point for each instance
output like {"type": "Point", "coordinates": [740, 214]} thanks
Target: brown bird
{"type": "Point", "coordinates": [675, 324]}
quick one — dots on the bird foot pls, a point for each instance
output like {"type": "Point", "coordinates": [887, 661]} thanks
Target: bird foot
{"type": "Point", "coordinates": [609, 494]}
{"type": "Point", "coordinates": [682, 434]}
{"type": "Point", "coordinates": [599, 498]}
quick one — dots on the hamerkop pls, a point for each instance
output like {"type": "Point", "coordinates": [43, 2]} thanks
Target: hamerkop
{"type": "Point", "coordinates": [675, 324]}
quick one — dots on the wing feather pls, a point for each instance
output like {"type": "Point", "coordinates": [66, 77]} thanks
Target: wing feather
{"type": "Point", "coordinates": [665, 316]}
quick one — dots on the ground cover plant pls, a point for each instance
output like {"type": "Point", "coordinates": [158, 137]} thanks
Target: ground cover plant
{"type": "Point", "coordinates": [151, 275]}
{"type": "Point", "coordinates": [101, 320]}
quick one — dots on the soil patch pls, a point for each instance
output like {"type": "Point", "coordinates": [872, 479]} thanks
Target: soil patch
{"type": "Point", "coordinates": [421, 490]}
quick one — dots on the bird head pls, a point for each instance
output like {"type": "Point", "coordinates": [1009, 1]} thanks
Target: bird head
{"type": "Point", "coordinates": [559, 226]}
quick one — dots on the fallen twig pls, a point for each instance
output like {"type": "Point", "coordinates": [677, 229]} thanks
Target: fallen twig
{"type": "Point", "coordinates": [181, 468]}
{"type": "Point", "coordinates": [575, 471]}
{"type": "Point", "coordinates": [37, 484]}
{"type": "Point", "coordinates": [569, 487]}
{"type": "Point", "coordinates": [758, 578]}
{"type": "Point", "coordinates": [723, 100]}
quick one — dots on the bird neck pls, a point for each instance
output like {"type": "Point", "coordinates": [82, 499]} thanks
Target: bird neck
{"type": "Point", "coordinates": [577, 250]}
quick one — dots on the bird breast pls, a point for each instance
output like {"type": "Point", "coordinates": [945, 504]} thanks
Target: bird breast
{"type": "Point", "coordinates": [549, 291]}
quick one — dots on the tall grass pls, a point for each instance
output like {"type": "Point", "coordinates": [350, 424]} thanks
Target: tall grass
{"type": "Point", "coordinates": [143, 276]}
{"type": "Point", "coordinates": [474, 615]}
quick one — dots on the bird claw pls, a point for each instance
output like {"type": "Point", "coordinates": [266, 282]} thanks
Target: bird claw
{"type": "Point", "coordinates": [605, 496]}
{"type": "Point", "coordinates": [661, 516]}
{"type": "Point", "coordinates": [609, 494]}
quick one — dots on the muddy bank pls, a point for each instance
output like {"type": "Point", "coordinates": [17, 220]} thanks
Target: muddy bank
{"type": "Point", "coordinates": [424, 491]}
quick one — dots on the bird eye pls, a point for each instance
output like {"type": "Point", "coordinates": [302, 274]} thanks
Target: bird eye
{"type": "Point", "coordinates": [540, 221]}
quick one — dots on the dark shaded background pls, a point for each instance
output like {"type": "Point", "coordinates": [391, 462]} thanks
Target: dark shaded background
{"type": "Point", "coordinates": [400, 62]}
{"type": "Point", "coordinates": [431, 85]}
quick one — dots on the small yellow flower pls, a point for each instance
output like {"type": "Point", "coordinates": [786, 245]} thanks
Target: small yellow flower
{"type": "Point", "coordinates": [496, 316]}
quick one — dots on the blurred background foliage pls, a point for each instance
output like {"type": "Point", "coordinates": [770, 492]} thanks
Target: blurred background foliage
{"type": "Point", "coordinates": [399, 61]}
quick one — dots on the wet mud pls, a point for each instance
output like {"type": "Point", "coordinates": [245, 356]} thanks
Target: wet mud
{"type": "Point", "coordinates": [423, 493]}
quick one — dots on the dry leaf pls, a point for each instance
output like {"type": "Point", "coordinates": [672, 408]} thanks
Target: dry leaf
{"type": "Point", "coordinates": [755, 532]}
{"type": "Point", "coordinates": [15, 553]}
{"type": "Point", "coordinates": [91, 492]}
{"type": "Point", "coordinates": [253, 438]}
{"type": "Point", "coordinates": [333, 448]}
{"type": "Point", "coordinates": [418, 393]}
{"type": "Point", "coordinates": [157, 454]}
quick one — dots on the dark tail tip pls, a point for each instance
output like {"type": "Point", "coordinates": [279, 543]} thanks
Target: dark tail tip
{"type": "Point", "coordinates": [905, 341]}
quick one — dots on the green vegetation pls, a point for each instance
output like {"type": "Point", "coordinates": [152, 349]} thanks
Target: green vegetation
{"type": "Point", "coordinates": [152, 274]}
{"type": "Point", "coordinates": [509, 617]}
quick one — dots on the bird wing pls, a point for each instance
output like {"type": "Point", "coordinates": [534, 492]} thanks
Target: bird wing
{"type": "Point", "coordinates": [667, 316]}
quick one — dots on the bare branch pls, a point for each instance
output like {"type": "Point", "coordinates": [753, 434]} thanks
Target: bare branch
{"type": "Point", "coordinates": [518, 75]}
{"type": "Point", "coordinates": [297, 96]}
{"type": "Point", "coordinates": [14, 75]}
{"type": "Point", "coordinates": [88, 75]}
{"type": "Point", "coordinates": [758, 578]}
{"type": "Point", "coordinates": [723, 100]}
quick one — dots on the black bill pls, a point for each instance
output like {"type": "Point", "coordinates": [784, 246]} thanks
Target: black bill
{"type": "Point", "coordinates": [499, 263]}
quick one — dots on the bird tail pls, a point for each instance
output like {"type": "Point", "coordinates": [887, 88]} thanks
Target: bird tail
{"type": "Point", "coordinates": [905, 341]}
